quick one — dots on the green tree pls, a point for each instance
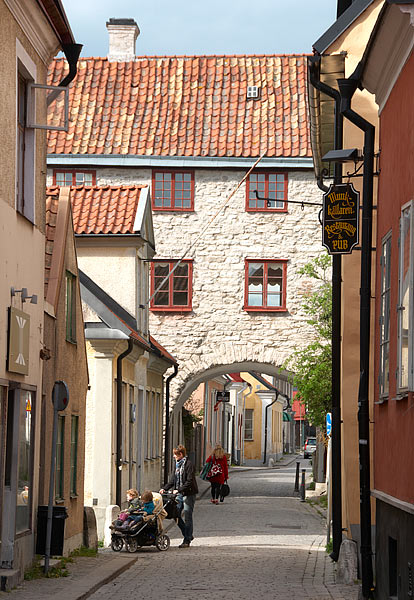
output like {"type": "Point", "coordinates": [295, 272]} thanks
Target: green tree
{"type": "Point", "coordinates": [312, 365]}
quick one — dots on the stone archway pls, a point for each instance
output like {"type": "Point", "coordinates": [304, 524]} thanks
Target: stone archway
{"type": "Point", "coordinates": [227, 358]}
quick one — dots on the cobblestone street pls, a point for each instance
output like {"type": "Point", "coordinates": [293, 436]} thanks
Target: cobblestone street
{"type": "Point", "coordinates": [260, 543]}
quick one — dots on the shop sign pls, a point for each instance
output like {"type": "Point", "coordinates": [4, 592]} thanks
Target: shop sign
{"type": "Point", "coordinates": [340, 219]}
{"type": "Point", "coordinates": [18, 341]}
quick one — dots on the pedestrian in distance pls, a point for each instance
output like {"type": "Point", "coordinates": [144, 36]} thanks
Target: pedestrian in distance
{"type": "Point", "coordinates": [184, 483]}
{"type": "Point", "coordinates": [218, 474]}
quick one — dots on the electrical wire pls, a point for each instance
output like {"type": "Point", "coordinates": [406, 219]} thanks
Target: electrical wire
{"type": "Point", "coordinates": [191, 246]}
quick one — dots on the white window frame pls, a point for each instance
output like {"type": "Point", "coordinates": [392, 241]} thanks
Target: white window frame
{"type": "Point", "coordinates": [385, 316]}
{"type": "Point", "coordinates": [405, 385]}
{"type": "Point", "coordinates": [55, 91]}
{"type": "Point", "coordinates": [246, 439]}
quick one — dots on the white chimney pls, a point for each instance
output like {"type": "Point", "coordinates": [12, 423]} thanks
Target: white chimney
{"type": "Point", "coordinates": [122, 37]}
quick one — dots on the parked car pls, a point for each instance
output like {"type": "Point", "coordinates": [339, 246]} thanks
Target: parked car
{"type": "Point", "coordinates": [310, 447]}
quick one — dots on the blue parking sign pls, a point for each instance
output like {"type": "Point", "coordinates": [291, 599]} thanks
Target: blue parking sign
{"type": "Point", "coordinates": [328, 423]}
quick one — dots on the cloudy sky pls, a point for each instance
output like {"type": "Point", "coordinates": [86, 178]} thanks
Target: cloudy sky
{"type": "Point", "coordinates": [205, 26]}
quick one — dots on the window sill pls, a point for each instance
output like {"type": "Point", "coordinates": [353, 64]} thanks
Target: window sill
{"type": "Point", "coordinates": [264, 309]}
{"type": "Point", "coordinates": [59, 500]}
{"type": "Point", "coordinates": [171, 309]}
{"type": "Point", "coordinates": [179, 210]}
{"type": "Point", "coordinates": [401, 396]}
{"type": "Point", "coordinates": [23, 533]}
{"type": "Point", "coordinates": [73, 342]}
{"type": "Point", "coordinates": [74, 496]}
{"type": "Point", "coordinates": [267, 210]}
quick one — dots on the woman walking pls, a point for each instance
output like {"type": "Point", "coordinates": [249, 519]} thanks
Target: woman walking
{"type": "Point", "coordinates": [219, 473]}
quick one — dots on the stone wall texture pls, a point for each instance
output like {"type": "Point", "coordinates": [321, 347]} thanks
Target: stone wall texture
{"type": "Point", "coordinates": [218, 330]}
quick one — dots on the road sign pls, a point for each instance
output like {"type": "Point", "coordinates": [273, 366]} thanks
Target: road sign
{"type": "Point", "coordinates": [223, 396]}
{"type": "Point", "coordinates": [328, 423]}
{"type": "Point", "coordinates": [60, 395]}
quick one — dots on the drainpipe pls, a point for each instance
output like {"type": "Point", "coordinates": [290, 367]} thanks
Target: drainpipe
{"type": "Point", "coordinates": [336, 472]}
{"type": "Point", "coordinates": [72, 52]}
{"type": "Point", "coordinates": [347, 88]}
{"type": "Point", "coordinates": [167, 423]}
{"type": "Point", "coordinates": [119, 462]}
{"type": "Point", "coordinates": [265, 431]}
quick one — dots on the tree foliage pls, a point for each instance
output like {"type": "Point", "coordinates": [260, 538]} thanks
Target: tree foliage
{"type": "Point", "coordinates": [312, 365]}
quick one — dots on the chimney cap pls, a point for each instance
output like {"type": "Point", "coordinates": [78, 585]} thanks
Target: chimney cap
{"type": "Point", "coordinates": [113, 21]}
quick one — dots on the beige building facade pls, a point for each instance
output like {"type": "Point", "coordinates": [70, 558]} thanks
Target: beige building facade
{"type": "Point", "coordinates": [30, 39]}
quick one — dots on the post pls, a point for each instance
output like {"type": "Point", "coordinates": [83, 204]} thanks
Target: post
{"type": "Point", "coordinates": [60, 400]}
{"type": "Point", "coordinates": [296, 490]}
{"type": "Point", "coordinates": [302, 486]}
{"type": "Point", "coordinates": [51, 490]}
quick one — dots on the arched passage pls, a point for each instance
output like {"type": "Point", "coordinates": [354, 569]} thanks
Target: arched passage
{"type": "Point", "coordinates": [192, 383]}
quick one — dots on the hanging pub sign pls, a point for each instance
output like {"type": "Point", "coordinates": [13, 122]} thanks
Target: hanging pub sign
{"type": "Point", "coordinates": [340, 220]}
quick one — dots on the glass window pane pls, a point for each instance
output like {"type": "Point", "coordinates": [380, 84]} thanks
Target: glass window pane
{"type": "Point", "coordinates": [74, 454]}
{"type": "Point", "coordinates": [161, 269]}
{"type": "Point", "coordinates": [180, 299]}
{"type": "Point", "coordinates": [404, 309]}
{"type": "Point", "coordinates": [256, 269]}
{"type": "Point", "coordinates": [181, 270]}
{"type": "Point", "coordinates": [24, 465]}
{"type": "Point", "coordinates": [180, 283]}
{"type": "Point", "coordinates": [161, 299]}
{"type": "Point", "coordinates": [255, 299]}
{"type": "Point", "coordinates": [274, 300]}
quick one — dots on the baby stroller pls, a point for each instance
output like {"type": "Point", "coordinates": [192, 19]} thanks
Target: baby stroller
{"type": "Point", "coordinates": [149, 531]}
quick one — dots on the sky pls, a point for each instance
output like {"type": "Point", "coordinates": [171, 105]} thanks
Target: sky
{"type": "Point", "coordinates": [176, 27]}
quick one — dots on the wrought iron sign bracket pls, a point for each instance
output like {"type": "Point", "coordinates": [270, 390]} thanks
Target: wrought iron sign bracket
{"type": "Point", "coordinates": [301, 202]}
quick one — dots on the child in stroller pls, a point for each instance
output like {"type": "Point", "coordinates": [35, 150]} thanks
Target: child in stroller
{"type": "Point", "coordinates": [134, 504]}
{"type": "Point", "coordinates": [148, 531]}
{"type": "Point", "coordinates": [137, 516]}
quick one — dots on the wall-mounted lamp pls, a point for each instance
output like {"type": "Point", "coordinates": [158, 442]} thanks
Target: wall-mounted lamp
{"type": "Point", "coordinates": [341, 156]}
{"type": "Point", "coordinates": [25, 295]}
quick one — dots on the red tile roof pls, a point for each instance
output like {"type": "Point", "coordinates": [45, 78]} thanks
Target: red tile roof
{"type": "Point", "coordinates": [185, 106]}
{"type": "Point", "coordinates": [104, 209]}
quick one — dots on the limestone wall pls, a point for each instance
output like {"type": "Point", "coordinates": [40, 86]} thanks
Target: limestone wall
{"type": "Point", "coordinates": [218, 329]}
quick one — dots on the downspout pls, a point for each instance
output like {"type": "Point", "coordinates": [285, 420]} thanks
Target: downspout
{"type": "Point", "coordinates": [72, 52]}
{"type": "Point", "coordinates": [336, 473]}
{"type": "Point", "coordinates": [119, 461]}
{"type": "Point", "coordinates": [167, 423]}
{"type": "Point", "coordinates": [265, 431]}
{"type": "Point", "coordinates": [347, 89]}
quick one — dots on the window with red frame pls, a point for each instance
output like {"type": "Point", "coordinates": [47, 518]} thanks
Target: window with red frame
{"type": "Point", "coordinates": [65, 177]}
{"type": "Point", "coordinates": [173, 190]}
{"type": "Point", "coordinates": [265, 287]}
{"type": "Point", "coordinates": [272, 186]}
{"type": "Point", "coordinates": [176, 291]}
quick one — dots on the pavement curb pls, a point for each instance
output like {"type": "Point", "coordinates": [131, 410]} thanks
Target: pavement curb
{"type": "Point", "coordinates": [89, 584]}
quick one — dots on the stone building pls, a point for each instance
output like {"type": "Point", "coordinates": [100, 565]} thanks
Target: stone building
{"type": "Point", "coordinates": [192, 127]}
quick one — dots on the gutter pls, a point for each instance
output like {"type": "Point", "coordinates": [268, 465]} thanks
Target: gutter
{"type": "Point", "coordinates": [336, 473]}
{"type": "Point", "coordinates": [347, 89]}
{"type": "Point", "coordinates": [119, 461]}
{"type": "Point", "coordinates": [167, 423]}
{"type": "Point", "coordinates": [72, 52]}
{"type": "Point", "coordinates": [131, 160]}
{"type": "Point", "coordinates": [265, 431]}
